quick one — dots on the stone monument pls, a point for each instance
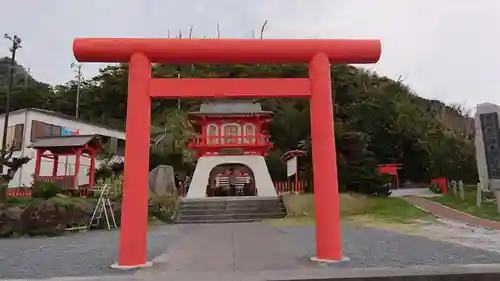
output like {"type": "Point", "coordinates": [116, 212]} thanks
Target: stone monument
{"type": "Point", "coordinates": [487, 142]}
{"type": "Point", "coordinates": [161, 180]}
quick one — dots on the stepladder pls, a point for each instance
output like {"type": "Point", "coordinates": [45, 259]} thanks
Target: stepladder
{"type": "Point", "coordinates": [103, 208]}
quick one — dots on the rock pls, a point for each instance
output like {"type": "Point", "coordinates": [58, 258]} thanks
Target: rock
{"type": "Point", "coordinates": [9, 221]}
{"type": "Point", "coordinates": [51, 217]}
{"type": "Point", "coordinates": [161, 180]}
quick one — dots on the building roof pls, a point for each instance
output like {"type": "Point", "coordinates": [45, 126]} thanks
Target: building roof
{"type": "Point", "coordinates": [64, 141]}
{"type": "Point", "coordinates": [231, 108]}
{"type": "Point", "coordinates": [63, 116]}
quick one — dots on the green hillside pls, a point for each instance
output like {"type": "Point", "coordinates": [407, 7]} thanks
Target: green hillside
{"type": "Point", "coordinates": [377, 120]}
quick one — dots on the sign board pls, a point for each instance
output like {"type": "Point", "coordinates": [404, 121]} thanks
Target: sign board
{"type": "Point", "coordinates": [69, 132]}
{"type": "Point", "coordinates": [291, 166]}
{"type": "Point", "coordinates": [487, 142]}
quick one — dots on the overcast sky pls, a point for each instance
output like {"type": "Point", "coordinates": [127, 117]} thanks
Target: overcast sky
{"type": "Point", "coordinates": [444, 49]}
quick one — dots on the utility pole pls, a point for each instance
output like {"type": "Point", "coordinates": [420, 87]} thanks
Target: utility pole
{"type": "Point", "coordinates": [26, 75]}
{"type": "Point", "coordinates": [78, 69]}
{"type": "Point", "coordinates": [178, 77]}
{"type": "Point", "coordinates": [16, 44]}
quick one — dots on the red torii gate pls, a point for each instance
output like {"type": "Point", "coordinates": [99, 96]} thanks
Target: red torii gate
{"type": "Point", "coordinates": [140, 53]}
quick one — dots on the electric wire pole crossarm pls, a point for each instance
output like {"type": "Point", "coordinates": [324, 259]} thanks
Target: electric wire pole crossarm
{"type": "Point", "coordinates": [16, 44]}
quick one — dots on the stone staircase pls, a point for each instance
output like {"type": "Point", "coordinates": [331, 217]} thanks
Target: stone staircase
{"type": "Point", "coordinates": [229, 209]}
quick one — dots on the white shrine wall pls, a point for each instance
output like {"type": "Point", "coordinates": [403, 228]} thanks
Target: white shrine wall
{"type": "Point", "coordinates": [263, 181]}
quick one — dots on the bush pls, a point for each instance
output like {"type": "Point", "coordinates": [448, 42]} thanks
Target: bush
{"type": "Point", "coordinates": [163, 207]}
{"type": "Point", "coordinates": [45, 189]}
{"type": "Point", "coordinates": [435, 188]}
{"type": "Point", "coordinates": [19, 201]}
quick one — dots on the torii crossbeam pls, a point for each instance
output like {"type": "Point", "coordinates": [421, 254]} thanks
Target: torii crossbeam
{"type": "Point", "coordinates": [140, 53]}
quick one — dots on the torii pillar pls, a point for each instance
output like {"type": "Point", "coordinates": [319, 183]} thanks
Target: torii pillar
{"type": "Point", "coordinates": [140, 53]}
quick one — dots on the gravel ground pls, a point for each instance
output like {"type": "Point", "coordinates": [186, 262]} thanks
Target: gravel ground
{"type": "Point", "coordinates": [81, 254]}
{"type": "Point", "coordinates": [371, 247]}
{"type": "Point", "coordinates": [90, 254]}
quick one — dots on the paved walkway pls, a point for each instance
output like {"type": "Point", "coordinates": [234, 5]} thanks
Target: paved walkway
{"type": "Point", "coordinates": [416, 192]}
{"type": "Point", "coordinates": [451, 214]}
{"type": "Point", "coordinates": [245, 247]}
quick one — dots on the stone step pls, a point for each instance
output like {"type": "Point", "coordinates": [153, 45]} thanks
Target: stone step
{"type": "Point", "coordinates": [229, 209]}
{"type": "Point", "coordinates": [224, 217]}
{"type": "Point", "coordinates": [228, 204]}
{"type": "Point", "coordinates": [270, 209]}
{"type": "Point", "coordinates": [216, 221]}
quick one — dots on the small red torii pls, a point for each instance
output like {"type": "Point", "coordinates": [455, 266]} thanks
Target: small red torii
{"type": "Point", "coordinates": [390, 169]}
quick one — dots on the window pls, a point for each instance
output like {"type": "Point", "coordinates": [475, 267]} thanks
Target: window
{"type": "Point", "coordinates": [15, 137]}
{"type": "Point", "coordinates": [232, 133]}
{"type": "Point", "coordinates": [212, 134]}
{"type": "Point", "coordinates": [41, 130]}
{"type": "Point", "coordinates": [249, 133]}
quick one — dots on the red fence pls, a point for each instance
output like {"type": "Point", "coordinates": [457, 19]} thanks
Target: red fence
{"type": "Point", "coordinates": [18, 193]}
{"type": "Point", "coordinates": [280, 186]}
{"type": "Point", "coordinates": [290, 187]}
{"type": "Point", "coordinates": [66, 182]}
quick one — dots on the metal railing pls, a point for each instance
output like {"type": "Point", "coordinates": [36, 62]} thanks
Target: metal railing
{"type": "Point", "coordinates": [231, 140]}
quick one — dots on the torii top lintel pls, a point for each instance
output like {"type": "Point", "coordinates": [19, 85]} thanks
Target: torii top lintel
{"type": "Point", "coordinates": [250, 51]}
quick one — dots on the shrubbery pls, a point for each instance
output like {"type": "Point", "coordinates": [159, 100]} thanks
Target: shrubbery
{"type": "Point", "coordinates": [435, 188]}
{"type": "Point", "coordinates": [45, 189]}
{"type": "Point", "coordinates": [163, 207]}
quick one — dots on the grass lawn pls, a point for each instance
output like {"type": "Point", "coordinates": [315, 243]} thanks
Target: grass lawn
{"type": "Point", "coordinates": [488, 209]}
{"type": "Point", "coordinates": [353, 207]}
{"type": "Point", "coordinates": [21, 201]}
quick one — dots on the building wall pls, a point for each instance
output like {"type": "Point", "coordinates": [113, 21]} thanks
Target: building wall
{"type": "Point", "coordinates": [66, 163]}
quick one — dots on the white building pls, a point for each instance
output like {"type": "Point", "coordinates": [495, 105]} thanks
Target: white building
{"type": "Point", "coordinates": [27, 125]}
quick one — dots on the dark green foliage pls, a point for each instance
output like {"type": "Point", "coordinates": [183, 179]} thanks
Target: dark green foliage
{"type": "Point", "coordinates": [435, 188]}
{"type": "Point", "coordinates": [45, 189]}
{"type": "Point", "coordinates": [163, 207]}
{"type": "Point", "coordinates": [377, 121]}
{"type": "Point", "coordinates": [19, 201]}
{"type": "Point", "coordinates": [102, 173]}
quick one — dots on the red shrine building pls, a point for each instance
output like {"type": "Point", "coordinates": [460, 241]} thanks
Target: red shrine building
{"type": "Point", "coordinates": [233, 139]}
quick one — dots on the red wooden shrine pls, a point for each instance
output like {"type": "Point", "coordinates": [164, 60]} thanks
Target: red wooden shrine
{"type": "Point", "coordinates": [289, 155]}
{"type": "Point", "coordinates": [224, 130]}
{"type": "Point", "coordinates": [55, 147]}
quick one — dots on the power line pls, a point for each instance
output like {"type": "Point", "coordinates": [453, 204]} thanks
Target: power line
{"type": "Point", "coordinates": [16, 44]}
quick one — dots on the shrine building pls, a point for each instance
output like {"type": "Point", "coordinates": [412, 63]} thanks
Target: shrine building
{"type": "Point", "coordinates": [233, 139]}
{"type": "Point", "coordinates": [28, 127]}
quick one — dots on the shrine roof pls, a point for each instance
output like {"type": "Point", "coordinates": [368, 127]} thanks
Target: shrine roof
{"type": "Point", "coordinates": [64, 141]}
{"type": "Point", "coordinates": [231, 108]}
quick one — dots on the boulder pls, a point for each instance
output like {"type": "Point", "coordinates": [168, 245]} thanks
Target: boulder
{"type": "Point", "coordinates": [9, 221]}
{"type": "Point", "coordinates": [161, 180]}
{"type": "Point", "coordinates": [51, 217]}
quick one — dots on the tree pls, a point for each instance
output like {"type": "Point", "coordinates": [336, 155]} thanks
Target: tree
{"type": "Point", "coordinates": [377, 120]}
{"type": "Point", "coordinates": [13, 164]}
